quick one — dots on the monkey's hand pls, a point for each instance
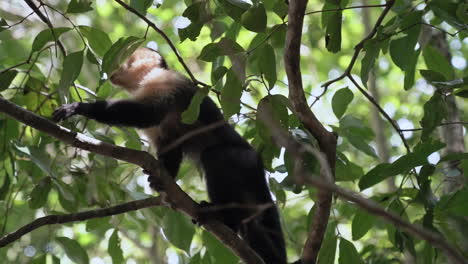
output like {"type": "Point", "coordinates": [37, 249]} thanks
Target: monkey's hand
{"type": "Point", "coordinates": [65, 111]}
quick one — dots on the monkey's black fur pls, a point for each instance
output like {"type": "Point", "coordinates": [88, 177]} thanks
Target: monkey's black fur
{"type": "Point", "coordinates": [234, 171]}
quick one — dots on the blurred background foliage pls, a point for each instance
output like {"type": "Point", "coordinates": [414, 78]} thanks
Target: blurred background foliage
{"type": "Point", "coordinates": [414, 66]}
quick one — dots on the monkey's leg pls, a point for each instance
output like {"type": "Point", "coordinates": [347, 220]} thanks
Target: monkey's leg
{"type": "Point", "coordinates": [238, 190]}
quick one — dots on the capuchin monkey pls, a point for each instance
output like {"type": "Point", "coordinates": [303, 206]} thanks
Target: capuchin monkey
{"type": "Point", "coordinates": [234, 172]}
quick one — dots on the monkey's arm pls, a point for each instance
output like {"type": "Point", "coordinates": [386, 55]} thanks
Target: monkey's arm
{"type": "Point", "coordinates": [123, 112]}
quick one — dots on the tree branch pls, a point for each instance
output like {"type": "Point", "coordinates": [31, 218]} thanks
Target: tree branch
{"type": "Point", "coordinates": [344, 8]}
{"type": "Point", "coordinates": [67, 218]}
{"type": "Point", "coordinates": [173, 194]}
{"type": "Point", "coordinates": [326, 140]}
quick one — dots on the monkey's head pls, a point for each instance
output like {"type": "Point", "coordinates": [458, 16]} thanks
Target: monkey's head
{"type": "Point", "coordinates": [130, 74]}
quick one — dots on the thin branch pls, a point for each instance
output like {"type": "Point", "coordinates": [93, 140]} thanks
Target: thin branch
{"type": "Point", "coordinates": [360, 45]}
{"type": "Point", "coordinates": [174, 195]}
{"type": "Point", "coordinates": [67, 218]}
{"type": "Point", "coordinates": [428, 25]}
{"type": "Point", "coordinates": [344, 8]}
{"type": "Point", "coordinates": [326, 139]}
{"type": "Point", "coordinates": [160, 32]}
{"type": "Point", "coordinates": [19, 22]}
{"type": "Point", "coordinates": [191, 134]}
{"type": "Point", "coordinates": [382, 112]}
{"type": "Point", "coordinates": [441, 124]}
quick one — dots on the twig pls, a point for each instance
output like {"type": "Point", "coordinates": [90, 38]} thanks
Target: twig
{"type": "Point", "coordinates": [441, 124]}
{"type": "Point", "coordinates": [20, 21]}
{"type": "Point", "coordinates": [192, 134]}
{"type": "Point", "coordinates": [382, 112]}
{"type": "Point", "coordinates": [67, 218]}
{"type": "Point", "coordinates": [344, 8]}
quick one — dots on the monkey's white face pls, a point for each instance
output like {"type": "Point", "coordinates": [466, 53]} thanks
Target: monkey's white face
{"type": "Point", "coordinates": [135, 68]}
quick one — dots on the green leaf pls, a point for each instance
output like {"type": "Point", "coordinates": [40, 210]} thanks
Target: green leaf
{"type": "Point", "coordinates": [255, 19]}
{"type": "Point", "coordinates": [267, 64]}
{"type": "Point", "coordinates": [435, 110]}
{"type": "Point", "coordinates": [217, 250]}
{"type": "Point", "coordinates": [432, 76]}
{"type": "Point", "coordinates": [410, 70]}
{"type": "Point", "coordinates": [178, 230]}
{"type": "Point", "coordinates": [119, 52]}
{"type": "Point", "coordinates": [73, 250]}
{"type": "Point", "coordinates": [328, 250]}
{"type": "Point", "coordinates": [114, 249]}
{"type": "Point", "coordinates": [194, 11]}
{"type": "Point", "coordinates": [66, 195]}
{"type": "Point", "coordinates": [234, 8]}
{"type": "Point", "coordinates": [224, 47]}
{"type": "Point", "coordinates": [402, 49]}
{"type": "Point", "coordinates": [402, 165]}
{"type": "Point", "coordinates": [280, 8]}
{"type": "Point", "coordinates": [447, 11]}
{"type": "Point", "coordinates": [362, 223]}
{"type": "Point", "coordinates": [274, 106]}
{"type": "Point", "coordinates": [47, 35]}
{"type": "Point", "coordinates": [97, 39]}
{"type": "Point", "coordinates": [454, 203]}
{"type": "Point", "coordinates": [39, 157]}
{"type": "Point", "coordinates": [79, 6]}
{"type": "Point", "coordinates": [39, 194]}
{"type": "Point", "coordinates": [425, 195]}
{"type": "Point", "coordinates": [231, 94]}
{"type": "Point", "coordinates": [333, 32]}
{"type": "Point", "coordinates": [218, 73]}
{"type": "Point", "coordinates": [191, 32]}
{"type": "Point", "coordinates": [462, 12]}
{"type": "Point", "coordinates": [5, 187]}
{"type": "Point", "coordinates": [91, 57]}
{"type": "Point", "coordinates": [347, 171]}
{"type": "Point", "coordinates": [372, 49]}
{"type": "Point", "coordinates": [374, 176]}
{"type": "Point", "coordinates": [104, 90]}
{"type": "Point", "coordinates": [3, 25]}
{"type": "Point", "coordinates": [71, 69]}
{"type": "Point", "coordinates": [341, 100]}
{"type": "Point", "coordinates": [348, 253]}
{"type": "Point", "coordinates": [453, 156]}
{"type": "Point", "coordinates": [141, 5]}
{"type": "Point", "coordinates": [190, 115]}
{"type": "Point", "coordinates": [42, 259]}
{"type": "Point", "coordinates": [98, 224]}
{"type": "Point", "coordinates": [435, 61]}
{"type": "Point", "coordinates": [428, 253]}
{"type": "Point", "coordinates": [357, 142]}
{"type": "Point", "coordinates": [325, 16]}
{"type": "Point", "coordinates": [6, 78]}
